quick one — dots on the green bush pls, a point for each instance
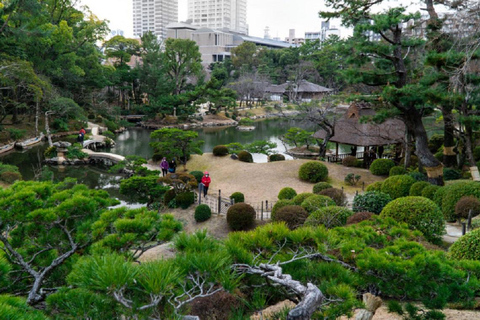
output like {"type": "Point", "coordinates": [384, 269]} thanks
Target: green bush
{"type": "Point", "coordinates": [337, 195]}
{"type": "Point", "coordinates": [108, 134]}
{"type": "Point", "coordinates": [417, 188]}
{"type": "Point", "coordinates": [467, 247]}
{"type": "Point", "coordinates": [350, 161]}
{"type": "Point", "coordinates": [447, 197]}
{"type": "Point", "coordinates": [287, 193]}
{"type": "Point", "coordinates": [330, 217]}
{"type": "Point", "coordinates": [185, 199]}
{"type": "Point", "coordinates": [435, 142]}
{"type": "Point", "coordinates": [169, 196]}
{"type": "Point", "coordinates": [10, 176]}
{"type": "Point", "coordinates": [316, 202]}
{"type": "Point", "coordinates": [202, 213]}
{"type": "Point", "coordinates": [111, 125]}
{"type": "Point", "coordinates": [198, 175]}
{"type": "Point", "coordinates": [352, 179]}
{"type": "Point", "coordinates": [276, 157]}
{"type": "Point", "coordinates": [245, 156]}
{"type": "Point", "coordinates": [319, 187]}
{"type": "Point", "coordinates": [418, 213]}
{"type": "Point", "coordinates": [313, 171]}
{"type": "Point", "coordinates": [467, 205]}
{"type": "Point", "coordinates": [280, 204]}
{"type": "Point", "coordinates": [358, 217]}
{"type": "Point", "coordinates": [371, 201]}
{"type": "Point", "coordinates": [50, 152]}
{"type": "Point", "coordinates": [241, 216]}
{"type": "Point", "coordinates": [476, 153]}
{"type": "Point", "coordinates": [429, 191]}
{"type": "Point", "coordinates": [376, 186]}
{"type": "Point", "coordinates": [237, 197]}
{"type": "Point", "coordinates": [397, 186]}
{"type": "Point", "coordinates": [246, 122]}
{"type": "Point", "coordinates": [396, 171]}
{"type": "Point", "coordinates": [451, 174]}
{"type": "Point", "coordinates": [220, 151]}
{"type": "Point", "coordinates": [299, 198]}
{"type": "Point", "coordinates": [293, 216]}
{"type": "Point", "coordinates": [381, 167]}
{"type": "Point", "coordinates": [418, 176]}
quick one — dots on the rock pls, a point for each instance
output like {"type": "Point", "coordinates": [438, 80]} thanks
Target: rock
{"type": "Point", "coordinates": [234, 156]}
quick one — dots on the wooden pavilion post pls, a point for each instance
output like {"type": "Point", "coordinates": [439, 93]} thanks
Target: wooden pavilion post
{"type": "Point", "coordinates": [336, 151]}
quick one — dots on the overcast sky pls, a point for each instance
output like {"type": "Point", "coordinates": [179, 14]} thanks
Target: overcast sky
{"type": "Point", "coordinates": [278, 15]}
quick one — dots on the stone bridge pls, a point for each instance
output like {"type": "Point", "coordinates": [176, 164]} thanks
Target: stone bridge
{"type": "Point", "coordinates": [105, 157]}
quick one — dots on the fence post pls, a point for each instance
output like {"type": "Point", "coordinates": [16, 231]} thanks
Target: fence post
{"type": "Point", "coordinates": [200, 193]}
{"type": "Point", "coordinates": [464, 227]}
{"type": "Point", "coordinates": [261, 216]}
{"type": "Point", "coordinates": [219, 201]}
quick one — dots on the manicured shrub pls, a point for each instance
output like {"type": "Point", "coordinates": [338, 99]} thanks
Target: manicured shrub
{"type": "Point", "coordinates": [448, 196]}
{"type": "Point", "coordinates": [313, 171]}
{"type": "Point", "coordinates": [418, 176]}
{"type": "Point", "coordinates": [220, 151]}
{"type": "Point", "coordinates": [371, 201]}
{"type": "Point", "coordinates": [280, 204]}
{"type": "Point", "coordinates": [397, 186]}
{"type": "Point", "coordinates": [316, 202]}
{"type": "Point", "coordinates": [467, 247]}
{"type": "Point", "coordinates": [417, 188]}
{"type": "Point", "coordinates": [169, 196]}
{"type": "Point", "coordinates": [293, 216]}
{"type": "Point", "coordinates": [429, 191]}
{"type": "Point", "coordinates": [10, 176]}
{"type": "Point", "coordinates": [358, 217]}
{"type": "Point", "coordinates": [287, 193]}
{"type": "Point", "coordinates": [245, 156]}
{"type": "Point", "coordinates": [276, 157]}
{"type": "Point", "coordinates": [376, 186]}
{"type": "Point", "coordinates": [318, 187]}
{"type": "Point", "coordinates": [352, 179]}
{"type": "Point", "coordinates": [418, 213]}
{"type": "Point", "coordinates": [381, 167]}
{"type": "Point", "coordinates": [451, 174]}
{"type": "Point", "coordinates": [337, 195]}
{"type": "Point", "coordinates": [299, 198]}
{"type": "Point", "coordinates": [198, 175]}
{"type": "Point", "coordinates": [396, 171]}
{"type": "Point", "coordinates": [466, 205]}
{"type": "Point", "coordinates": [350, 161]}
{"type": "Point", "coordinates": [202, 213]}
{"type": "Point", "coordinates": [241, 216]}
{"type": "Point", "coordinates": [185, 199]}
{"type": "Point", "coordinates": [330, 217]}
{"type": "Point", "coordinates": [237, 197]}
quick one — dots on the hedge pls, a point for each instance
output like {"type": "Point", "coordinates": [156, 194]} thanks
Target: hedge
{"type": "Point", "coordinates": [313, 171]}
{"type": "Point", "coordinates": [397, 186]}
{"type": "Point", "coordinates": [381, 167]}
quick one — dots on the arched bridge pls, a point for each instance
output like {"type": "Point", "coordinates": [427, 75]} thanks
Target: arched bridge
{"type": "Point", "coordinates": [105, 157]}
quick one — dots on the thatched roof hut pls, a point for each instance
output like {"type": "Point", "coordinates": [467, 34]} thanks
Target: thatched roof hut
{"type": "Point", "coordinates": [306, 90]}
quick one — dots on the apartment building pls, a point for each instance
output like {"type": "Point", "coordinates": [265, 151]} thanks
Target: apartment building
{"type": "Point", "coordinates": [226, 15]}
{"type": "Point", "coordinates": [154, 15]}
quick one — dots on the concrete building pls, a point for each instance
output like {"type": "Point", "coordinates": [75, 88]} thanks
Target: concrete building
{"type": "Point", "coordinates": [225, 15]}
{"type": "Point", "coordinates": [322, 35]}
{"type": "Point", "coordinates": [292, 40]}
{"type": "Point", "coordinates": [154, 15]}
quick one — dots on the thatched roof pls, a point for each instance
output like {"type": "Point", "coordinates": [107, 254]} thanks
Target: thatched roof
{"type": "Point", "coordinates": [348, 129]}
{"type": "Point", "coordinates": [304, 86]}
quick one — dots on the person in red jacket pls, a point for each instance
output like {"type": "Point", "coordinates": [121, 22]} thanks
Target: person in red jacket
{"type": "Point", "coordinates": [206, 182]}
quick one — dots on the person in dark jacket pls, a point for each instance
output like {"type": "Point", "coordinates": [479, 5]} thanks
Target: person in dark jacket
{"type": "Point", "coordinates": [206, 180]}
{"type": "Point", "coordinates": [172, 166]}
{"type": "Point", "coordinates": [164, 166]}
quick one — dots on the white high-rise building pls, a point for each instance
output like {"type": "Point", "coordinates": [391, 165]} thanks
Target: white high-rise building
{"type": "Point", "coordinates": [154, 15]}
{"type": "Point", "coordinates": [228, 15]}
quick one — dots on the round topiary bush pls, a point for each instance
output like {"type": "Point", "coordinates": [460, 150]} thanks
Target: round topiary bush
{"type": "Point", "coordinates": [241, 216]}
{"type": "Point", "coordinates": [299, 198]}
{"type": "Point", "coordinates": [429, 191]}
{"type": "Point", "coordinates": [10, 176]}
{"type": "Point", "coordinates": [245, 156]}
{"type": "Point", "coordinates": [316, 202]}
{"type": "Point", "coordinates": [237, 197]}
{"type": "Point", "coordinates": [287, 193]}
{"type": "Point", "coordinates": [276, 157]}
{"type": "Point", "coordinates": [418, 176]}
{"type": "Point", "coordinates": [318, 187]}
{"type": "Point", "coordinates": [467, 247]}
{"type": "Point", "coordinates": [381, 167]}
{"type": "Point", "coordinates": [185, 199]}
{"type": "Point", "coordinates": [350, 161]}
{"type": "Point", "coordinates": [419, 213]}
{"type": "Point", "coordinates": [169, 196]}
{"type": "Point", "coordinates": [358, 217]}
{"type": "Point", "coordinates": [448, 196]}
{"type": "Point", "coordinates": [397, 186]}
{"type": "Point", "coordinates": [220, 151]}
{"type": "Point", "coordinates": [313, 171]}
{"type": "Point", "coordinates": [466, 206]}
{"type": "Point", "coordinates": [451, 174]}
{"type": "Point", "coordinates": [293, 216]}
{"type": "Point", "coordinates": [376, 186]}
{"type": "Point", "coordinates": [371, 201]}
{"type": "Point", "coordinates": [417, 188]}
{"type": "Point", "coordinates": [202, 213]}
{"type": "Point", "coordinates": [396, 171]}
{"type": "Point", "coordinates": [337, 195]}
{"type": "Point", "coordinates": [330, 217]}
{"type": "Point", "coordinates": [280, 204]}
{"type": "Point", "coordinates": [198, 175]}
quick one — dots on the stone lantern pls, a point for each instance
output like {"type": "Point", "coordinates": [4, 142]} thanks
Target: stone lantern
{"type": "Point", "coordinates": [62, 147]}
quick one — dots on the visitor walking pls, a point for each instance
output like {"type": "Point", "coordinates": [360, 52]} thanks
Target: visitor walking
{"type": "Point", "coordinates": [81, 135]}
{"type": "Point", "coordinates": [206, 180]}
{"type": "Point", "coordinates": [164, 166]}
{"type": "Point", "coordinates": [172, 166]}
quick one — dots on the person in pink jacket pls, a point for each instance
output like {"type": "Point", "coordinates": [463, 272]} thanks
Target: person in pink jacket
{"type": "Point", "coordinates": [206, 180]}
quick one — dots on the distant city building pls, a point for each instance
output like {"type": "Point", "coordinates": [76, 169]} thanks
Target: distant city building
{"type": "Point", "coordinates": [226, 15]}
{"type": "Point", "coordinates": [154, 15]}
{"type": "Point", "coordinates": [322, 35]}
{"type": "Point", "coordinates": [292, 40]}
{"type": "Point", "coordinates": [266, 35]}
